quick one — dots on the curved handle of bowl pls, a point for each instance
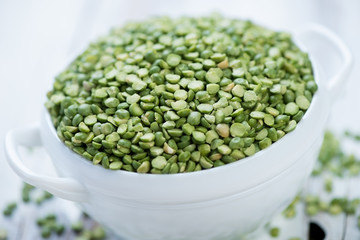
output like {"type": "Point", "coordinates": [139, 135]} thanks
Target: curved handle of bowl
{"type": "Point", "coordinates": [67, 188]}
{"type": "Point", "coordinates": [324, 44]}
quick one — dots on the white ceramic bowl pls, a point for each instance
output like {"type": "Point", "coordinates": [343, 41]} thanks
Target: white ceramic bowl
{"type": "Point", "coordinates": [226, 202]}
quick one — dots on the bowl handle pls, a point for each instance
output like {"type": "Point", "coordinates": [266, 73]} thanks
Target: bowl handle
{"type": "Point", "coordinates": [331, 52]}
{"type": "Point", "coordinates": [67, 188]}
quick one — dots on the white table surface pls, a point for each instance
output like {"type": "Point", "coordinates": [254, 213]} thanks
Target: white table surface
{"type": "Point", "coordinates": [36, 38]}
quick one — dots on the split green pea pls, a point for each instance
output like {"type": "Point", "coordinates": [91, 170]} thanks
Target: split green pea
{"type": "Point", "coordinates": [180, 95]}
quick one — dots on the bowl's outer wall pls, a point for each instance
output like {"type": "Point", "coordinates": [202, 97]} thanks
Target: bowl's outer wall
{"type": "Point", "coordinates": [229, 218]}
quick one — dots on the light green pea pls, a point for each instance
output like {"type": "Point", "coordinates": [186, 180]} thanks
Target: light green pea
{"type": "Point", "coordinates": [144, 167]}
{"type": "Point", "coordinates": [222, 102]}
{"type": "Point", "coordinates": [262, 134]}
{"type": "Point", "coordinates": [302, 102]}
{"type": "Point", "coordinates": [84, 109]}
{"type": "Point", "coordinates": [290, 127]}
{"type": "Point", "coordinates": [274, 232]}
{"type": "Point", "coordinates": [269, 120]}
{"type": "Point", "coordinates": [272, 111]}
{"type": "Point", "coordinates": [264, 143]}
{"type": "Point", "coordinates": [224, 149]}
{"type": "Point", "coordinates": [90, 120]}
{"type": "Point", "coordinates": [147, 137]}
{"type": "Point", "coordinates": [159, 162]}
{"type": "Point", "coordinates": [250, 150]}
{"type": "Point", "coordinates": [180, 94]}
{"type": "Point", "coordinates": [223, 130]}
{"type": "Point", "coordinates": [335, 209]}
{"type": "Point", "coordinates": [179, 105]}
{"type": "Point", "coordinates": [173, 60]}
{"type": "Point", "coordinates": [188, 128]}
{"type": "Point", "coordinates": [211, 135]}
{"type": "Point", "coordinates": [194, 118]}
{"type": "Point", "coordinates": [172, 78]}
{"type": "Point", "coordinates": [209, 118]}
{"type": "Point", "coordinates": [174, 168]}
{"type": "Point", "coordinates": [77, 119]}
{"type": "Point", "coordinates": [250, 96]}
{"type": "Point", "coordinates": [113, 137]}
{"type": "Point", "coordinates": [206, 163]}
{"type": "Point", "coordinates": [100, 93]}
{"type": "Point", "coordinates": [236, 143]}
{"type": "Point", "coordinates": [311, 209]}
{"type": "Point", "coordinates": [212, 76]}
{"type": "Point", "coordinates": [205, 108]}
{"type": "Point", "coordinates": [133, 98]}
{"type": "Point", "coordinates": [212, 88]}
{"type": "Point", "coordinates": [115, 165]}
{"type": "Point", "coordinates": [156, 151]}
{"type": "Point", "coordinates": [111, 102]}
{"type": "Point", "coordinates": [238, 91]}
{"type": "Point", "coordinates": [199, 136]}
{"type": "Point", "coordinates": [291, 108]}
{"type": "Point", "coordinates": [168, 149]}
{"type": "Point", "coordinates": [204, 149]}
{"type": "Point", "coordinates": [107, 128]}
{"type": "Point", "coordinates": [135, 110]}
{"type": "Point", "coordinates": [196, 85]}
{"type": "Point", "coordinates": [237, 130]}
{"type": "Point", "coordinates": [84, 128]}
{"type": "Point", "coordinates": [257, 115]}
{"type": "Point", "coordinates": [238, 72]}
{"type": "Point", "coordinates": [184, 156]}
{"type": "Point", "coordinates": [139, 85]}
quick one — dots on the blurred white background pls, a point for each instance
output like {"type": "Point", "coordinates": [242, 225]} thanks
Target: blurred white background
{"type": "Point", "coordinates": [37, 37]}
